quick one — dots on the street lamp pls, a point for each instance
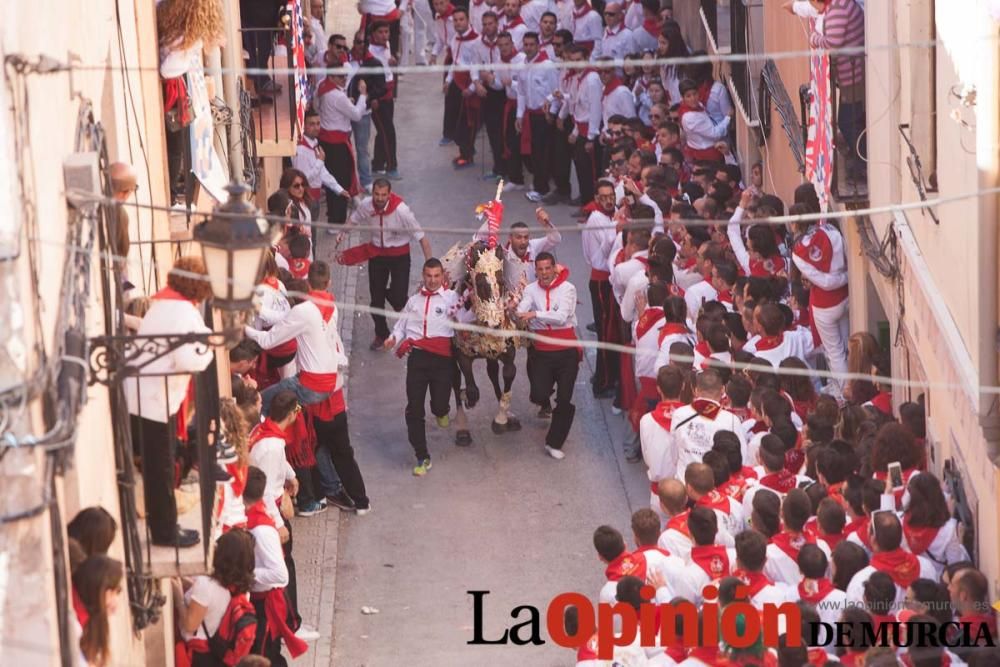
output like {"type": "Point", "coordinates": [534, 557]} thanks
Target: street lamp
{"type": "Point", "coordinates": [234, 242]}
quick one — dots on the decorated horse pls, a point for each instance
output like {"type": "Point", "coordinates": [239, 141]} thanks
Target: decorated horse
{"type": "Point", "coordinates": [477, 271]}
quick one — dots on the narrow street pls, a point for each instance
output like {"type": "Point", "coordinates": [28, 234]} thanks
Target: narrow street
{"type": "Point", "coordinates": [500, 515]}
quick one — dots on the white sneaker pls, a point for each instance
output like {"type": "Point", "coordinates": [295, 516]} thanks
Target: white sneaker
{"type": "Point", "coordinates": [533, 196]}
{"type": "Point", "coordinates": [557, 454]}
{"type": "Point", "coordinates": [510, 187]}
{"type": "Point", "coordinates": [362, 511]}
{"type": "Point", "coordinates": [307, 633]}
{"type": "Point", "coordinates": [616, 410]}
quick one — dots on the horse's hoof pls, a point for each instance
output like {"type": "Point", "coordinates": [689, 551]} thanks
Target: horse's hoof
{"type": "Point", "coordinates": [471, 397]}
{"type": "Point", "coordinates": [513, 424]}
{"type": "Point", "coordinates": [499, 428]}
{"type": "Point", "coordinates": [463, 438]}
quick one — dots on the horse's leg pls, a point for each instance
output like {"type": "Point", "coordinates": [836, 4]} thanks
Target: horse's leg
{"type": "Point", "coordinates": [493, 371]}
{"type": "Point", "coordinates": [509, 373]}
{"type": "Point", "coordinates": [499, 424]}
{"type": "Point", "coordinates": [471, 389]}
{"type": "Point", "coordinates": [463, 437]}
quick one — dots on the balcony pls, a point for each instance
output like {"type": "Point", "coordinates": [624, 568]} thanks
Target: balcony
{"type": "Point", "coordinates": [272, 112]}
{"type": "Point", "coordinates": [715, 16]}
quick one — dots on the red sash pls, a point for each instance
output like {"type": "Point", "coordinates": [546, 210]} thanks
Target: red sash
{"type": "Point", "coordinates": [339, 138]}
{"type": "Point", "coordinates": [276, 612]}
{"type": "Point", "coordinates": [567, 333]}
{"type": "Point", "coordinates": [319, 382]}
{"type": "Point", "coordinates": [902, 566]}
{"type": "Point", "coordinates": [712, 559]}
{"type": "Point", "coordinates": [463, 79]}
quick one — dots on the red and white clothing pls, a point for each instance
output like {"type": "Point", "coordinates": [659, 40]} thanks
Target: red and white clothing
{"type": "Point", "coordinates": [486, 49]}
{"type": "Point", "coordinates": [516, 27]}
{"type": "Point", "coordinates": [624, 271]}
{"type": "Point", "coordinates": [775, 349]}
{"type": "Point", "coordinates": [637, 284]}
{"type": "Point", "coordinates": [762, 591]}
{"type": "Point", "coordinates": [555, 310]}
{"type": "Point", "coordinates": [444, 30]}
{"type": "Point", "coordinates": [901, 565]}
{"type": "Point", "coordinates": [151, 395]}
{"type": "Point", "coordinates": [267, 452]}
{"type": "Point", "coordinates": [703, 356]}
{"type": "Point", "coordinates": [828, 600]}
{"type": "Point", "coordinates": [337, 111]}
{"type": "Point", "coordinates": [780, 482]}
{"type": "Point", "coordinates": [393, 227]}
{"type": "Point", "coordinates": [782, 552]}
{"type": "Point", "coordinates": [426, 321]}
{"type": "Point", "coordinates": [465, 54]}
{"type": "Point", "coordinates": [658, 447]}
{"type": "Point", "coordinates": [728, 511]}
{"type": "Point", "coordinates": [536, 84]}
{"type": "Point", "coordinates": [686, 272]}
{"type": "Point", "coordinates": [597, 237]}
{"type": "Point", "coordinates": [269, 570]}
{"type": "Point", "coordinates": [670, 333]}
{"type": "Point", "coordinates": [700, 132]}
{"type": "Point", "coordinates": [646, 335]}
{"type": "Point", "coordinates": [476, 10]}
{"type": "Point", "coordinates": [645, 32]}
{"type": "Point", "coordinates": [675, 538]}
{"type": "Point", "coordinates": [586, 26]}
{"type": "Point", "coordinates": [307, 160]}
{"type": "Point", "coordinates": [625, 565]}
{"type": "Point", "coordinates": [695, 426]}
{"type": "Point", "coordinates": [819, 255]}
{"type": "Point", "coordinates": [751, 267]}
{"type": "Point", "coordinates": [274, 304]}
{"type": "Point", "coordinates": [531, 14]}
{"type": "Point", "coordinates": [941, 546]}
{"type": "Point", "coordinates": [617, 100]}
{"type": "Point", "coordinates": [615, 43]}
{"type": "Point", "coordinates": [707, 564]}
{"type": "Point", "coordinates": [697, 295]}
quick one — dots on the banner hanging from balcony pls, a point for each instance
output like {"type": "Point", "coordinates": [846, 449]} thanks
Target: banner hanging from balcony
{"type": "Point", "coordinates": [303, 94]}
{"type": "Point", "coordinates": [205, 162]}
{"type": "Point", "coordinates": [819, 147]}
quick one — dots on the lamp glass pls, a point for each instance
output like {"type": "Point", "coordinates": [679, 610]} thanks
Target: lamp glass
{"type": "Point", "coordinates": [246, 271]}
{"type": "Point", "coordinates": [217, 264]}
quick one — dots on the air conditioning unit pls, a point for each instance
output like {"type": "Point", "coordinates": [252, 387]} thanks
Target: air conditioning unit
{"type": "Point", "coordinates": [82, 179]}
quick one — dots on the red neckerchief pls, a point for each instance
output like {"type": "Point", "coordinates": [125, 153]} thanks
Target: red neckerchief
{"type": "Point", "coordinates": [507, 59]}
{"type": "Point", "coordinates": [299, 267]}
{"type": "Point", "coordinates": [170, 294]}
{"type": "Point", "coordinates": [902, 566]}
{"type": "Point", "coordinates": [448, 11]}
{"type": "Point", "coordinates": [814, 590]}
{"type": "Point", "coordinates": [304, 141]}
{"type": "Point", "coordinates": [684, 108]}
{"type": "Point", "coordinates": [609, 33]}
{"type": "Point", "coordinates": [703, 349]}
{"type": "Point", "coordinates": [756, 582]}
{"type": "Point", "coordinates": [583, 11]}
{"type": "Point", "coordinates": [790, 542]}
{"type": "Point", "coordinates": [562, 275]}
{"type": "Point", "coordinates": [541, 56]}
{"type": "Point", "coordinates": [426, 292]}
{"type": "Point", "coordinates": [647, 320]}
{"type": "Point", "coordinates": [712, 559]}
{"type": "Point", "coordinates": [676, 653]}
{"type": "Point", "coordinates": [390, 206]}
{"type": "Point", "coordinates": [266, 429]}
{"type": "Point", "coordinates": [239, 474]}
{"type": "Point", "coordinates": [672, 328]}
{"type": "Point", "coordinates": [860, 527]}
{"type": "Point", "coordinates": [883, 402]}
{"type": "Point", "coordinates": [624, 565]}
{"type": "Point", "coordinates": [725, 296]}
{"type": "Point", "coordinates": [82, 615]}
{"type": "Point", "coordinates": [272, 282]}
{"type": "Point", "coordinates": [706, 407]}
{"type": "Point", "coordinates": [323, 301]}
{"type": "Point", "coordinates": [652, 26]}
{"type": "Point", "coordinates": [735, 487]}
{"type": "Point", "coordinates": [795, 458]}
{"type": "Point", "coordinates": [513, 23]}
{"type": "Point", "coordinates": [679, 522]}
{"type": "Point", "coordinates": [257, 516]}
{"type": "Point", "coordinates": [770, 342]}
{"type": "Point", "coordinates": [716, 501]}
{"type": "Point", "coordinates": [918, 538]}
{"type": "Point", "coordinates": [612, 85]}
{"type": "Point", "coordinates": [468, 36]}
{"type": "Point", "coordinates": [663, 413]}
{"type": "Point", "coordinates": [781, 481]}
{"type": "Point", "coordinates": [706, 654]}
{"type": "Point", "coordinates": [976, 620]}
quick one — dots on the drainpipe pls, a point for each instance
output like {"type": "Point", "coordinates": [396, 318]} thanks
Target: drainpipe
{"type": "Point", "coordinates": [988, 167]}
{"type": "Point", "coordinates": [232, 62]}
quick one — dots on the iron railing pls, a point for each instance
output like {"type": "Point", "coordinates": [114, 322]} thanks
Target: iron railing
{"type": "Point", "coordinates": [273, 123]}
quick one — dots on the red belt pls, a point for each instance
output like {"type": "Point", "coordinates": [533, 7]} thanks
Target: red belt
{"type": "Point", "coordinates": [276, 612]}
{"type": "Point", "coordinates": [316, 193]}
{"type": "Point", "coordinates": [338, 138]}
{"type": "Point", "coordinates": [567, 333]}
{"type": "Point", "coordinates": [582, 129]}
{"type": "Point", "coordinates": [366, 251]}
{"type": "Point", "coordinates": [526, 129]}
{"type": "Point", "coordinates": [320, 382]}
{"type": "Point", "coordinates": [439, 345]}
{"type": "Point", "coordinates": [599, 275]}
{"type": "Point", "coordinates": [703, 154]}
{"type": "Point", "coordinates": [821, 298]}
{"type": "Point", "coordinates": [508, 106]}
{"type": "Point", "coordinates": [328, 408]}
{"type": "Point", "coordinates": [655, 488]}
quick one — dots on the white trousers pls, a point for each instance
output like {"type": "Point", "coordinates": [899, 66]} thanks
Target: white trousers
{"type": "Point", "coordinates": [834, 327]}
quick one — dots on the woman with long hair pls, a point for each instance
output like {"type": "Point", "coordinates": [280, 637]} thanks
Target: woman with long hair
{"type": "Point", "coordinates": [928, 526]}
{"type": "Point", "coordinates": [97, 586]}
{"type": "Point", "coordinates": [201, 604]}
{"type": "Point", "coordinates": [231, 512]}
{"type": "Point", "coordinates": [295, 183]}
{"type": "Point", "coordinates": [798, 388]}
{"type": "Point", "coordinates": [276, 363]}
{"type": "Point", "coordinates": [670, 44]}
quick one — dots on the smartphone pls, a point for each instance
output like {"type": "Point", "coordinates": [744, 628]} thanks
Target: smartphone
{"type": "Point", "coordinates": [895, 471]}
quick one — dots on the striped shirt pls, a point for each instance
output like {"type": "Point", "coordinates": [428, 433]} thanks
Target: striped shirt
{"type": "Point", "coordinates": [843, 27]}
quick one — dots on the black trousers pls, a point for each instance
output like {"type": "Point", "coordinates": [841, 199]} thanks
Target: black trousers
{"type": "Point", "coordinates": [586, 168]}
{"type": "Point", "coordinates": [292, 589]}
{"type": "Point", "coordinates": [340, 163]}
{"type": "Point", "coordinates": [452, 111]}
{"type": "Point", "coordinates": [493, 119]}
{"type": "Point", "coordinates": [384, 157]}
{"type": "Point", "coordinates": [426, 371]}
{"type": "Point", "coordinates": [263, 645]}
{"type": "Point", "coordinates": [602, 301]}
{"type": "Point", "coordinates": [562, 156]}
{"type": "Point", "coordinates": [155, 442]}
{"type": "Point", "coordinates": [540, 161]}
{"type": "Point", "coordinates": [388, 278]}
{"type": "Point", "coordinates": [469, 112]}
{"type": "Point", "coordinates": [554, 369]}
{"type": "Point", "coordinates": [512, 163]}
{"type": "Point", "coordinates": [334, 439]}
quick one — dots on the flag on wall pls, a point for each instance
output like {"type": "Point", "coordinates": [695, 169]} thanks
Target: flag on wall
{"type": "Point", "coordinates": [302, 91]}
{"type": "Point", "coordinates": [819, 146]}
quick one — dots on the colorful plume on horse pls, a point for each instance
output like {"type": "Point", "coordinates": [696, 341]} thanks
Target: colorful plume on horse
{"type": "Point", "coordinates": [493, 212]}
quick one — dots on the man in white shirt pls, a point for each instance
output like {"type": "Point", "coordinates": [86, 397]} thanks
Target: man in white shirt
{"type": "Point", "coordinates": [513, 22]}
{"type": "Point", "coordinates": [309, 159]}
{"type": "Point", "coordinates": [586, 27]}
{"type": "Point", "coordinates": [425, 332]}
{"type": "Point", "coordinates": [675, 538]}
{"type": "Point", "coordinates": [699, 479]}
{"type": "Point", "coordinates": [490, 88]}
{"type": "Point", "coordinates": [548, 308]}
{"type": "Point", "coordinates": [616, 41]}
{"type": "Point", "coordinates": [462, 103]}
{"type": "Point", "coordinates": [521, 250]}
{"type": "Point", "coordinates": [889, 557]}
{"type": "Point", "coordinates": [708, 561]}
{"type": "Point", "coordinates": [751, 556]}
{"type": "Point", "coordinates": [392, 226]}
{"type": "Point", "coordinates": [597, 238]}
{"type": "Point", "coordinates": [657, 441]}
{"type": "Point", "coordinates": [616, 98]}
{"type": "Point", "coordinates": [696, 424]}
{"type": "Point", "coordinates": [702, 291]}
{"type": "Point", "coordinates": [383, 109]}
{"type": "Point", "coordinates": [267, 451]}
{"type": "Point", "coordinates": [336, 113]}
{"type": "Point", "coordinates": [775, 344]}
{"type": "Point", "coordinates": [531, 13]}
{"type": "Point", "coordinates": [585, 105]}
{"type": "Point", "coordinates": [535, 86]}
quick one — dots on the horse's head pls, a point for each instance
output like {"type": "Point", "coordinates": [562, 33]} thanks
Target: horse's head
{"type": "Point", "coordinates": [486, 269]}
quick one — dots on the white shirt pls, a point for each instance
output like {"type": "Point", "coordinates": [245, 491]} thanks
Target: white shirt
{"type": "Point", "coordinates": [531, 13]}
{"type": "Point", "coordinates": [642, 39]}
{"type": "Point", "coordinates": [647, 349]}
{"type": "Point", "coordinates": [856, 589]}
{"type": "Point", "coordinates": [336, 110]}
{"type": "Point", "coordinates": [676, 542]}
{"type": "Point", "coordinates": [597, 237]}
{"type": "Point", "coordinates": [464, 53]}
{"type": "Point", "coordinates": [487, 52]}
{"type": "Point", "coordinates": [946, 548]}
{"type": "Point", "coordinates": [516, 31]}
{"type": "Point", "coordinates": [658, 450]}
{"type": "Point", "coordinates": [554, 308]}
{"type": "Point", "coordinates": [588, 103]}
{"type": "Point", "coordinates": [476, 15]}
{"type": "Point", "coordinates": [427, 316]}
{"type": "Point", "coordinates": [624, 271]}
{"type": "Point", "coordinates": [214, 597]}
{"type": "Point", "coordinates": [798, 343]}
{"type": "Point", "coordinates": [619, 102]}
{"type": "Point", "coordinates": [444, 30]}
{"type": "Point", "coordinates": [308, 162]}
{"type": "Point", "coordinates": [158, 397]}
{"type": "Point", "coordinates": [376, 7]}
{"type": "Point", "coordinates": [692, 579]}
{"type": "Point", "coordinates": [782, 568]}
{"type": "Point", "coordinates": [586, 28]}
{"type": "Point", "coordinates": [701, 132]}
{"type": "Point", "coordinates": [320, 349]}
{"type": "Point", "coordinates": [719, 105]}
{"type": "Point", "coordinates": [394, 229]}
{"type": "Point", "coordinates": [634, 16]}
{"type": "Point", "coordinates": [615, 43]}
{"type": "Point", "coordinates": [274, 305]}
{"type": "Point", "coordinates": [268, 454]}
{"type": "Point", "coordinates": [663, 358]}
{"type": "Point", "coordinates": [695, 435]}
{"type": "Point", "coordinates": [518, 272]}
{"type": "Point", "coordinates": [383, 54]}
{"type": "Point", "coordinates": [535, 85]}
{"type": "Point", "coordinates": [637, 284]}
{"type": "Point", "coordinates": [269, 570]}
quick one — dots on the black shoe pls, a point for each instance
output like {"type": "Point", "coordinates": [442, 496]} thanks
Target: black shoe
{"type": "Point", "coordinates": [553, 197]}
{"type": "Point", "coordinates": [183, 539]}
{"type": "Point", "coordinates": [545, 412]}
{"type": "Point", "coordinates": [377, 344]}
{"type": "Point", "coordinates": [607, 392]}
{"type": "Point", "coordinates": [633, 455]}
{"type": "Point", "coordinates": [342, 501]}
{"type": "Point", "coordinates": [575, 201]}
{"type": "Point", "coordinates": [592, 327]}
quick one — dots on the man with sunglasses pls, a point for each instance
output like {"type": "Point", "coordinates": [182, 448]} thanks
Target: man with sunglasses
{"type": "Point", "coordinates": [617, 41]}
{"type": "Point", "coordinates": [598, 236]}
{"type": "Point", "coordinates": [561, 151]}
